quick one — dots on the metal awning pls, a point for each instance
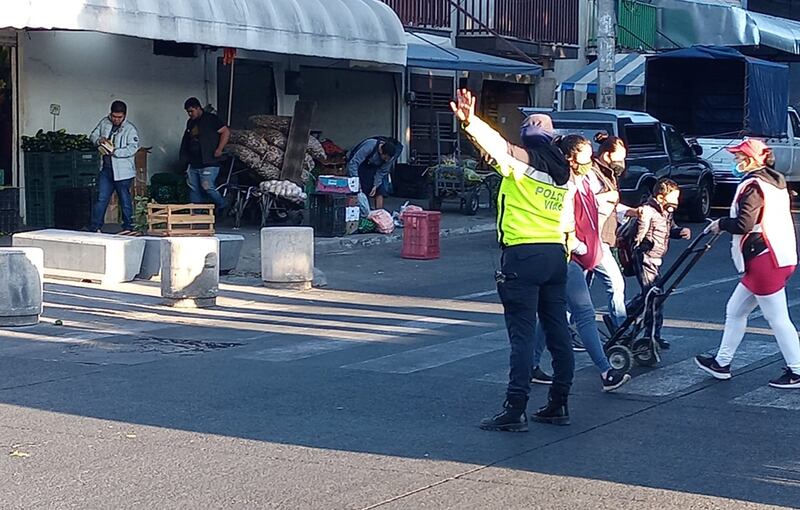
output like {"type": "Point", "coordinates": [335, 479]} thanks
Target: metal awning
{"type": "Point", "coordinates": [685, 23]}
{"type": "Point", "coordinates": [427, 52]}
{"type": "Point", "coordinates": [365, 30]}
{"type": "Point", "coordinates": [628, 67]}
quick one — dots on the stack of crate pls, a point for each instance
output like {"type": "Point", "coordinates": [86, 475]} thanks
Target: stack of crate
{"type": "Point", "coordinates": [9, 210]}
{"type": "Point", "coordinates": [46, 173]}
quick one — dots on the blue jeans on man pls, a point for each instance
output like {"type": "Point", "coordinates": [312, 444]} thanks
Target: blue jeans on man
{"type": "Point", "coordinates": [202, 183]}
{"type": "Point", "coordinates": [106, 186]}
{"type": "Point", "coordinates": [579, 304]}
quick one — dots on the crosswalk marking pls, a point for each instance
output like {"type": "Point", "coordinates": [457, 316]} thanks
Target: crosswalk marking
{"type": "Point", "coordinates": [767, 396]}
{"type": "Point", "coordinates": [500, 376]}
{"type": "Point", "coordinates": [297, 351]}
{"type": "Point", "coordinates": [432, 356]}
{"type": "Point", "coordinates": [684, 374]}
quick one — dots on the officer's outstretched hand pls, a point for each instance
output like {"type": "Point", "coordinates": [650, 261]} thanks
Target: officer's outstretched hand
{"type": "Point", "coordinates": [464, 106]}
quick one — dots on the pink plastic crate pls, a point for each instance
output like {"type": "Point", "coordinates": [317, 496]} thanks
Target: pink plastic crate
{"type": "Point", "coordinates": [421, 235]}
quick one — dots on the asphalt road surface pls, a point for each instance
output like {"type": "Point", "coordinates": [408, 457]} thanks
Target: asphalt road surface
{"type": "Point", "coordinates": [367, 394]}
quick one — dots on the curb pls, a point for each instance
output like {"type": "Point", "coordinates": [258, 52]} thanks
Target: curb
{"type": "Point", "coordinates": [341, 244]}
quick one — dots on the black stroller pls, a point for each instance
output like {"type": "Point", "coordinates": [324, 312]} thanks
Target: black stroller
{"type": "Point", "coordinates": [631, 341]}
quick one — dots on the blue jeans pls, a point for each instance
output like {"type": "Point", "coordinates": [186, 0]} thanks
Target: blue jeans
{"type": "Point", "coordinates": [106, 186]}
{"type": "Point", "coordinates": [608, 272]}
{"type": "Point", "coordinates": [579, 304]}
{"type": "Point", "coordinates": [202, 183]}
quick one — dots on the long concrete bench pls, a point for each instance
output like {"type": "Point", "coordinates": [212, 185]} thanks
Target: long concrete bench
{"type": "Point", "coordinates": [230, 249]}
{"type": "Point", "coordinates": [108, 259]}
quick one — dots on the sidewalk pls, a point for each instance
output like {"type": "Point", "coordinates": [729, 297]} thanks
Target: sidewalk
{"type": "Point", "coordinates": [453, 223]}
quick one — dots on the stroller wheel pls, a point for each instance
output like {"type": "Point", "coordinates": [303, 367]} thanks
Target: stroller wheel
{"type": "Point", "coordinates": [620, 358]}
{"type": "Point", "coordinates": [646, 352]}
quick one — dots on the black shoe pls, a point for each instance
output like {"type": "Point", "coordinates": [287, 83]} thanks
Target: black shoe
{"type": "Point", "coordinates": [614, 379]}
{"type": "Point", "coordinates": [663, 344]}
{"type": "Point", "coordinates": [577, 343]}
{"type": "Point", "coordinates": [554, 413]}
{"type": "Point", "coordinates": [709, 365]}
{"type": "Point", "coordinates": [540, 377]}
{"type": "Point", "coordinates": [512, 419]}
{"type": "Point", "coordinates": [788, 380]}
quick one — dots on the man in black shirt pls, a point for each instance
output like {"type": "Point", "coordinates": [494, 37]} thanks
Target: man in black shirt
{"type": "Point", "coordinates": [201, 150]}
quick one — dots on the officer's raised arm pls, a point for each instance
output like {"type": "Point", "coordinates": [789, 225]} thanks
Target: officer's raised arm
{"type": "Point", "coordinates": [511, 159]}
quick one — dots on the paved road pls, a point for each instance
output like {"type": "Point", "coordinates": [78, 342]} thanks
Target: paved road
{"type": "Point", "coordinates": [367, 394]}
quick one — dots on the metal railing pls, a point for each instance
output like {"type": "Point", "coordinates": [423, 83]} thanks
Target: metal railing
{"type": "Point", "coordinates": [637, 25]}
{"type": "Point", "coordinates": [422, 13]}
{"type": "Point", "coordinates": [552, 21]}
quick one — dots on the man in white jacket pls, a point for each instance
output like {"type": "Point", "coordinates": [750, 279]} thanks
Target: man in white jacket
{"type": "Point", "coordinates": [118, 141]}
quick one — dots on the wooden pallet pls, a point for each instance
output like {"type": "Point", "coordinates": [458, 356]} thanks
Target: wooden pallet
{"type": "Point", "coordinates": [172, 220]}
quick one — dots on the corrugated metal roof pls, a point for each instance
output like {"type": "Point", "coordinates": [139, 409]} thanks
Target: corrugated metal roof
{"type": "Point", "coordinates": [366, 30]}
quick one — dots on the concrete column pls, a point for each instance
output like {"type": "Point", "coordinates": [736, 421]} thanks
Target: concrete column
{"type": "Point", "coordinates": [21, 286]}
{"type": "Point", "coordinates": [287, 257]}
{"type": "Point", "coordinates": [190, 271]}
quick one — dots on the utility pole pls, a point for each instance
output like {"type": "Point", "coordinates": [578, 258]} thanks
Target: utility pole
{"type": "Point", "coordinates": [606, 49]}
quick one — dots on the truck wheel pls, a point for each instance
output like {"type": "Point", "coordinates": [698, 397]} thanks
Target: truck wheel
{"type": "Point", "coordinates": [701, 206]}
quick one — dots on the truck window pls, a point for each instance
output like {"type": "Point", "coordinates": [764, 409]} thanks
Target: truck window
{"type": "Point", "coordinates": [643, 138]}
{"type": "Point", "coordinates": [795, 120]}
{"type": "Point", "coordinates": [679, 151]}
{"type": "Point", "coordinates": [585, 129]}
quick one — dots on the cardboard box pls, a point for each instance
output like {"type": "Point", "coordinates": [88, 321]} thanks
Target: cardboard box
{"type": "Point", "coordinates": [334, 184]}
{"type": "Point", "coordinates": [352, 214]}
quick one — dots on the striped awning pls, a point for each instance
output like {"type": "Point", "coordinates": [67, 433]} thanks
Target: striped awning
{"type": "Point", "coordinates": [629, 68]}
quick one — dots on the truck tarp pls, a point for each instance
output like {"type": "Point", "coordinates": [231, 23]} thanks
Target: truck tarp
{"type": "Point", "coordinates": [716, 92]}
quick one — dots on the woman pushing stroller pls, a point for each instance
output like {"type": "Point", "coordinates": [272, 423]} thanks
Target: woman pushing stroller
{"type": "Point", "coordinates": [582, 225]}
{"type": "Point", "coordinates": [764, 249]}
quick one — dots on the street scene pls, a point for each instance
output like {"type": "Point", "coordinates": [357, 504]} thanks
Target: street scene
{"type": "Point", "coordinates": [318, 254]}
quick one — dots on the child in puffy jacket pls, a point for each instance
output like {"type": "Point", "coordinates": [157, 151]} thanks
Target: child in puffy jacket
{"type": "Point", "coordinates": [656, 226]}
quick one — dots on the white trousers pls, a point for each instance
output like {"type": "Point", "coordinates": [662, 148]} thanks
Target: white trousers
{"type": "Point", "coordinates": [775, 310]}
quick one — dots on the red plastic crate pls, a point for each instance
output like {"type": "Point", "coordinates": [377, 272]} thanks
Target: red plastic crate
{"type": "Point", "coordinates": [421, 235]}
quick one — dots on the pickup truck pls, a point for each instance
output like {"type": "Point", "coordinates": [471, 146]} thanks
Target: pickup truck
{"type": "Point", "coordinates": [655, 150]}
{"type": "Point", "coordinates": [786, 150]}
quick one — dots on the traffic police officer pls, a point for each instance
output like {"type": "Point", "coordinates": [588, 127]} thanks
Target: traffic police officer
{"type": "Point", "coordinates": [534, 266]}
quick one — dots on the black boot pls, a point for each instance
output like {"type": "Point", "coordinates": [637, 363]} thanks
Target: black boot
{"type": "Point", "coordinates": [512, 419]}
{"type": "Point", "coordinates": [555, 412]}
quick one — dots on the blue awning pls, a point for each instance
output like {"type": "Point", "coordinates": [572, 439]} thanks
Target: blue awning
{"type": "Point", "coordinates": [429, 55]}
{"type": "Point", "coordinates": [629, 68]}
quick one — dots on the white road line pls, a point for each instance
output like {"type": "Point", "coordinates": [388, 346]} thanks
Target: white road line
{"type": "Point", "coordinates": [696, 286]}
{"type": "Point", "coordinates": [432, 356]}
{"type": "Point", "coordinates": [500, 376]}
{"type": "Point", "coordinates": [679, 376]}
{"type": "Point", "coordinates": [771, 397]}
{"type": "Point", "coordinates": [297, 351]}
{"type": "Point", "coordinates": [477, 294]}
{"type": "Point", "coordinates": [678, 291]}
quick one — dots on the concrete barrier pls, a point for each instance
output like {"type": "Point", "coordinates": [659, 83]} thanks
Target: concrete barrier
{"type": "Point", "coordinates": [287, 257]}
{"type": "Point", "coordinates": [108, 259]}
{"type": "Point", "coordinates": [230, 249]}
{"type": "Point", "coordinates": [21, 286]}
{"type": "Point", "coordinates": [190, 271]}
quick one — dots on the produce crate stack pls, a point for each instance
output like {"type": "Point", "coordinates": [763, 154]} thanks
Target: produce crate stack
{"type": "Point", "coordinates": [334, 214]}
{"type": "Point", "coordinates": [55, 161]}
{"type": "Point", "coordinates": [9, 210]}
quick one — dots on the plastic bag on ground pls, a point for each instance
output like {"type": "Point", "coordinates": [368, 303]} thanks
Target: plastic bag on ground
{"type": "Point", "coordinates": [383, 221]}
{"type": "Point", "coordinates": [363, 205]}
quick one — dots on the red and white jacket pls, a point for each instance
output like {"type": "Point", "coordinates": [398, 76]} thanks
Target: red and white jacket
{"type": "Point", "coordinates": [774, 223]}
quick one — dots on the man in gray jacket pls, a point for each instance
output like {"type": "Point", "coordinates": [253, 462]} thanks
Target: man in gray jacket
{"type": "Point", "coordinates": [117, 140]}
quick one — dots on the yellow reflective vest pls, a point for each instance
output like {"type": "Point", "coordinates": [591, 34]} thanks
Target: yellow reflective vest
{"type": "Point", "coordinates": [530, 203]}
